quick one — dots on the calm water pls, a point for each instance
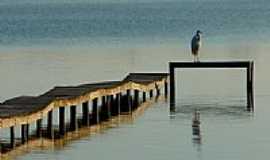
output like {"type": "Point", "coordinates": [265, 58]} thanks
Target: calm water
{"type": "Point", "coordinates": [48, 43]}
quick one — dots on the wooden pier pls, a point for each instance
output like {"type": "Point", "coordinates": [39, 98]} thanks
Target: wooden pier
{"type": "Point", "coordinates": [107, 99]}
{"type": "Point", "coordinates": [98, 102]}
{"type": "Point", "coordinates": [247, 65]}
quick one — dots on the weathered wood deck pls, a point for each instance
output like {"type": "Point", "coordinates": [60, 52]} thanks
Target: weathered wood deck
{"type": "Point", "coordinates": [28, 109]}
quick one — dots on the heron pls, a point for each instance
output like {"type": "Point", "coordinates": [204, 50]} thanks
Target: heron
{"type": "Point", "coordinates": [196, 44]}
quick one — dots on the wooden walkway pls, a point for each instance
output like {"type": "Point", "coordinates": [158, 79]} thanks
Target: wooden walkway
{"type": "Point", "coordinates": [108, 99]}
{"type": "Point", "coordinates": [247, 65]}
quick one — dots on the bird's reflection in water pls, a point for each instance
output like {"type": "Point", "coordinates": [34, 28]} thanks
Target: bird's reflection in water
{"type": "Point", "coordinates": [196, 131]}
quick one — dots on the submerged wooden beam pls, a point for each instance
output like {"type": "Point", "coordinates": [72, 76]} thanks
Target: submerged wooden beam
{"type": "Point", "coordinates": [248, 65]}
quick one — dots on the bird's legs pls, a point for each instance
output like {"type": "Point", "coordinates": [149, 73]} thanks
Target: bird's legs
{"type": "Point", "coordinates": [196, 58]}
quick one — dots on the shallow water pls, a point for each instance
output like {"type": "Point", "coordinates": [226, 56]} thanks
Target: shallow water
{"type": "Point", "coordinates": [43, 44]}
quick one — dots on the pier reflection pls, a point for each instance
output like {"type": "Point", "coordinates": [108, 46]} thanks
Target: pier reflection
{"type": "Point", "coordinates": [84, 132]}
{"type": "Point", "coordinates": [196, 130]}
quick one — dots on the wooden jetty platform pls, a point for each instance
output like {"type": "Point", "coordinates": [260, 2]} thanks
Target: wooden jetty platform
{"type": "Point", "coordinates": [247, 65]}
{"type": "Point", "coordinates": [107, 99]}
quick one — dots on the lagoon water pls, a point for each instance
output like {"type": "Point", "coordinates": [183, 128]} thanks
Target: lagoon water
{"type": "Point", "coordinates": [48, 43]}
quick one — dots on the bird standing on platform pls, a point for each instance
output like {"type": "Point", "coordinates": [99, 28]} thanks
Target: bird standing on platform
{"type": "Point", "coordinates": [196, 44]}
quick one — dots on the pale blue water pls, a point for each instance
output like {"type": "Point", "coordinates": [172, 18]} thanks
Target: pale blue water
{"type": "Point", "coordinates": [65, 23]}
{"type": "Point", "coordinates": [44, 43]}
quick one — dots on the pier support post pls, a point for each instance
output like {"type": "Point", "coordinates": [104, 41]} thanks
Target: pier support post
{"type": "Point", "coordinates": [27, 131]}
{"type": "Point", "coordinates": [73, 119]}
{"type": "Point", "coordinates": [23, 133]}
{"type": "Point", "coordinates": [50, 131]}
{"type": "Point", "coordinates": [85, 110]}
{"type": "Point", "coordinates": [118, 102]}
{"type": "Point", "coordinates": [129, 101]}
{"type": "Point", "coordinates": [12, 137]}
{"type": "Point", "coordinates": [250, 78]}
{"type": "Point", "coordinates": [136, 98]}
{"type": "Point", "coordinates": [166, 88]}
{"type": "Point", "coordinates": [114, 105]}
{"type": "Point", "coordinates": [95, 112]}
{"type": "Point", "coordinates": [62, 127]}
{"type": "Point", "coordinates": [144, 96]}
{"type": "Point", "coordinates": [38, 127]}
{"type": "Point", "coordinates": [157, 92]}
{"type": "Point", "coordinates": [172, 88]}
{"type": "Point", "coordinates": [109, 106]}
{"type": "Point", "coordinates": [151, 93]}
{"type": "Point", "coordinates": [104, 109]}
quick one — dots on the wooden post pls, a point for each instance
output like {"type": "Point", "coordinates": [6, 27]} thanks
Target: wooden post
{"type": "Point", "coordinates": [95, 112]}
{"type": "Point", "coordinates": [129, 101]}
{"type": "Point", "coordinates": [104, 111]}
{"type": "Point", "coordinates": [172, 88]}
{"type": "Point", "coordinates": [12, 137]}
{"type": "Point", "coordinates": [166, 88]}
{"type": "Point", "coordinates": [250, 98]}
{"type": "Point", "coordinates": [157, 90]}
{"type": "Point", "coordinates": [118, 104]}
{"type": "Point", "coordinates": [113, 105]}
{"type": "Point", "coordinates": [1, 150]}
{"type": "Point", "coordinates": [252, 85]}
{"type": "Point", "coordinates": [38, 127]}
{"type": "Point", "coordinates": [109, 105]}
{"type": "Point", "coordinates": [85, 110]}
{"type": "Point", "coordinates": [23, 136]}
{"type": "Point", "coordinates": [73, 119]}
{"type": "Point", "coordinates": [50, 131]}
{"type": "Point", "coordinates": [62, 127]}
{"type": "Point", "coordinates": [136, 98]}
{"type": "Point", "coordinates": [27, 131]}
{"type": "Point", "coordinates": [144, 96]}
{"type": "Point", "coordinates": [151, 93]}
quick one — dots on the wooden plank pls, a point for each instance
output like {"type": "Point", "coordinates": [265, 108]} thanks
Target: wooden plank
{"type": "Point", "coordinates": [211, 64]}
